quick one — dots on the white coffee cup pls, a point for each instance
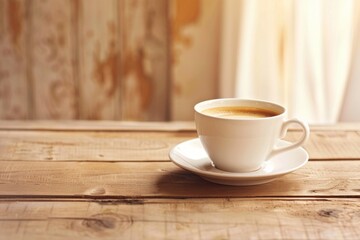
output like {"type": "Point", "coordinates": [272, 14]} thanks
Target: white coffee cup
{"type": "Point", "coordinates": [243, 143]}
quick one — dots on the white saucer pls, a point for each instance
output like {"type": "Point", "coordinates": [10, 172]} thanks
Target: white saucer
{"type": "Point", "coordinates": [191, 156]}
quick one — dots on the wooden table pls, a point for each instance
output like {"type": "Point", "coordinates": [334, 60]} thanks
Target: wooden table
{"type": "Point", "coordinates": [112, 180]}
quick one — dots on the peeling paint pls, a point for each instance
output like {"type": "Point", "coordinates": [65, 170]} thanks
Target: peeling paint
{"type": "Point", "coordinates": [2, 19]}
{"type": "Point", "coordinates": [134, 64]}
{"type": "Point", "coordinates": [13, 85]}
{"type": "Point", "coordinates": [105, 72]}
{"type": "Point", "coordinates": [187, 12]}
{"type": "Point", "coordinates": [145, 59]}
{"type": "Point", "coordinates": [14, 21]}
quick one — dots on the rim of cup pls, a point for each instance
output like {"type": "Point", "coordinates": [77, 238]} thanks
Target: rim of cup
{"type": "Point", "coordinates": [226, 102]}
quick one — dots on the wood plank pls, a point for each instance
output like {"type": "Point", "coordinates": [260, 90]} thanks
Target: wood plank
{"type": "Point", "coordinates": [88, 146]}
{"type": "Point", "coordinates": [52, 51]}
{"type": "Point", "coordinates": [183, 219]}
{"type": "Point", "coordinates": [340, 126]}
{"type": "Point", "coordinates": [164, 179]}
{"type": "Point", "coordinates": [134, 125]}
{"type": "Point", "coordinates": [120, 142]}
{"type": "Point", "coordinates": [331, 144]}
{"type": "Point", "coordinates": [98, 55]}
{"type": "Point", "coordinates": [144, 62]}
{"type": "Point", "coordinates": [13, 61]}
{"type": "Point", "coordinates": [96, 125]}
{"type": "Point", "coordinates": [195, 31]}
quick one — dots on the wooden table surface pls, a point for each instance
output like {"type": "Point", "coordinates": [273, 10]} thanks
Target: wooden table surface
{"type": "Point", "coordinates": [113, 180]}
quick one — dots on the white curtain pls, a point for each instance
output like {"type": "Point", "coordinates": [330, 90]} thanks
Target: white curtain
{"type": "Point", "coordinates": [298, 53]}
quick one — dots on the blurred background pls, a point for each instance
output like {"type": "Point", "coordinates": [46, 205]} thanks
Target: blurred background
{"type": "Point", "coordinates": [152, 60]}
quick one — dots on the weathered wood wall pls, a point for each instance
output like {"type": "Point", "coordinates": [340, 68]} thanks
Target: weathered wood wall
{"type": "Point", "coordinates": [147, 60]}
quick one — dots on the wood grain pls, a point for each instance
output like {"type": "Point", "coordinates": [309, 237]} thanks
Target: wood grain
{"type": "Point", "coordinates": [183, 219]}
{"type": "Point", "coordinates": [52, 52]}
{"type": "Point", "coordinates": [164, 179]}
{"type": "Point", "coordinates": [126, 142]}
{"type": "Point", "coordinates": [80, 125]}
{"type": "Point", "coordinates": [144, 59]}
{"type": "Point", "coordinates": [141, 195]}
{"type": "Point", "coordinates": [195, 35]}
{"type": "Point", "coordinates": [148, 60]}
{"type": "Point", "coordinates": [136, 125]}
{"type": "Point", "coordinates": [13, 61]}
{"type": "Point", "coordinates": [89, 146]}
{"type": "Point", "coordinates": [99, 56]}
{"type": "Point", "coordinates": [331, 144]}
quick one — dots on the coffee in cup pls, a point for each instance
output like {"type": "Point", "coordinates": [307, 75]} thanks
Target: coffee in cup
{"type": "Point", "coordinates": [239, 112]}
{"type": "Point", "coordinates": [239, 135]}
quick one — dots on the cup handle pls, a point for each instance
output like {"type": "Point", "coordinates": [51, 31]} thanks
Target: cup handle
{"type": "Point", "coordinates": [284, 129]}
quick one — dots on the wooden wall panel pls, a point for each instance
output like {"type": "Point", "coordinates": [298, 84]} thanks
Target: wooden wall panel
{"type": "Point", "coordinates": [52, 53]}
{"type": "Point", "coordinates": [147, 60]}
{"type": "Point", "coordinates": [144, 37]}
{"type": "Point", "coordinates": [98, 55]}
{"type": "Point", "coordinates": [194, 47]}
{"type": "Point", "coordinates": [13, 60]}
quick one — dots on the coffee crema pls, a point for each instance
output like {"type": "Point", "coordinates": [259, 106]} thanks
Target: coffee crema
{"type": "Point", "coordinates": [239, 112]}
